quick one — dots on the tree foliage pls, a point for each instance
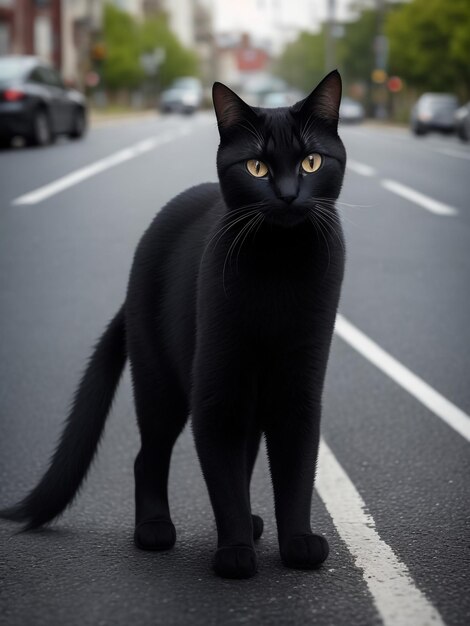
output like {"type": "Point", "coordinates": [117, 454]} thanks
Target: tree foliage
{"type": "Point", "coordinates": [430, 44]}
{"type": "Point", "coordinates": [356, 48]}
{"type": "Point", "coordinates": [302, 63]}
{"type": "Point", "coordinates": [179, 61]}
{"type": "Point", "coordinates": [126, 40]}
{"type": "Point", "coordinates": [429, 47]}
{"type": "Point", "coordinates": [121, 67]}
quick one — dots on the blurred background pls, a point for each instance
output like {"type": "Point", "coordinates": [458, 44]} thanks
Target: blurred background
{"type": "Point", "coordinates": [105, 115]}
{"type": "Point", "coordinates": [125, 54]}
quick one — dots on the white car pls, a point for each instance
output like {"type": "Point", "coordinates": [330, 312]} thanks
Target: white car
{"type": "Point", "coordinates": [184, 95]}
{"type": "Point", "coordinates": [351, 111]}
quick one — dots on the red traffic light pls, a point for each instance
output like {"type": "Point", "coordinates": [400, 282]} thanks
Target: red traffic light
{"type": "Point", "coordinates": [394, 84]}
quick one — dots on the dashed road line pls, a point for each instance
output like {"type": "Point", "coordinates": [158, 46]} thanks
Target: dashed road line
{"type": "Point", "coordinates": [453, 153]}
{"type": "Point", "coordinates": [413, 384]}
{"type": "Point", "coordinates": [360, 168]}
{"type": "Point", "coordinates": [40, 194]}
{"type": "Point", "coordinates": [425, 202]}
{"type": "Point", "coordinates": [434, 206]}
{"type": "Point", "coordinates": [396, 597]}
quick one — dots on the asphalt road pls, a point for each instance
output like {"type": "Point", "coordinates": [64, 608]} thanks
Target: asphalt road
{"type": "Point", "coordinates": [393, 487]}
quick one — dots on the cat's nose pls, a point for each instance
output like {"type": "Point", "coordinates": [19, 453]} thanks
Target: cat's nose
{"type": "Point", "coordinates": [289, 198]}
{"type": "Point", "coordinates": [287, 190]}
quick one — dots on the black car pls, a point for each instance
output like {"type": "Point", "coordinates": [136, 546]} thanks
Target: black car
{"type": "Point", "coordinates": [35, 104]}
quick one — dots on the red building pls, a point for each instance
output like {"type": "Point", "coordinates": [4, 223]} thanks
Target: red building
{"type": "Point", "coordinates": [250, 58]}
{"type": "Point", "coordinates": [31, 27]}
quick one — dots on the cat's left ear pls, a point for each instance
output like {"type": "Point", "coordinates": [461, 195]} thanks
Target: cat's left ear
{"type": "Point", "coordinates": [229, 108]}
{"type": "Point", "coordinates": [324, 100]}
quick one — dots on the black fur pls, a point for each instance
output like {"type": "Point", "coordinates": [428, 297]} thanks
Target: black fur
{"type": "Point", "coordinates": [228, 316]}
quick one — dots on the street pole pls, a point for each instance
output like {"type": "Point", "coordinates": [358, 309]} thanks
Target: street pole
{"type": "Point", "coordinates": [381, 54]}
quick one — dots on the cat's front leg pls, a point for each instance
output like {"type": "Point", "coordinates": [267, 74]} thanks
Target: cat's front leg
{"type": "Point", "coordinates": [292, 436]}
{"type": "Point", "coordinates": [222, 409]}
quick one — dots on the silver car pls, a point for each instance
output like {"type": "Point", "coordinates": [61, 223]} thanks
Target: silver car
{"type": "Point", "coordinates": [185, 95]}
{"type": "Point", "coordinates": [434, 111]}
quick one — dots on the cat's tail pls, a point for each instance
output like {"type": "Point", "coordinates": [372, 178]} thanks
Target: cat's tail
{"type": "Point", "coordinates": [83, 428]}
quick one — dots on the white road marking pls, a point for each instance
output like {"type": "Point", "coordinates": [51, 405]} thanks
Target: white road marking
{"type": "Point", "coordinates": [360, 168]}
{"type": "Point", "coordinates": [454, 153]}
{"type": "Point", "coordinates": [40, 194]}
{"type": "Point", "coordinates": [397, 599]}
{"type": "Point", "coordinates": [434, 206]}
{"type": "Point", "coordinates": [416, 386]}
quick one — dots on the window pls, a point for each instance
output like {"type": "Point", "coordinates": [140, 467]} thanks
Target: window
{"type": "Point", "coordinates": [51, 77]}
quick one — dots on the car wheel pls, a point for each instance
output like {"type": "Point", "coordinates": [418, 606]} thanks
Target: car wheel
{"type": "Point", "coordinates": [462, 133]}
{"type": "Point", "coordinates": [78, 125]}
{"type": "Point", "coordinates": [41, 134]}
{"type": "Point", "coordinates": [419, 131]}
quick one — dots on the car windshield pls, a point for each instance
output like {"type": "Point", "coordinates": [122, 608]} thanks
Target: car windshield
{"type": "Point", "coordinates": [437, 103]}
{"type": "Point", "coordinates": [11, 69]}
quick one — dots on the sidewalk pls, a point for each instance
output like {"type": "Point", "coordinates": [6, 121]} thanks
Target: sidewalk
{"type": "Point", "coordinates": [101, 118]}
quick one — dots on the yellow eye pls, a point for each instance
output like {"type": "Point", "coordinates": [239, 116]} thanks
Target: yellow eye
{"type": "Point", "coordinates": [256, 168]}
{"type": "Point", "coordinates": [311, 163]}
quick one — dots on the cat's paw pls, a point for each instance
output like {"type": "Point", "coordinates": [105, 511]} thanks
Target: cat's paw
{"type": "Point", "coordinates": [235, 562]}
{"type": "Point", "coordinates": [157, 534]}
{"type": "Point", "coordinates": [258, 526]}
{"type": "Point", "coordinates": [305, 551]}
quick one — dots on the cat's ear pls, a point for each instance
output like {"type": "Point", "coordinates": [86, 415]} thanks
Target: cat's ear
{"type": "Point", "coordinates": [324, 100]}
{"type": "Point", "coordinates": [229, 108]}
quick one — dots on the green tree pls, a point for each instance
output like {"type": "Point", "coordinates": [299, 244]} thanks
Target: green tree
{"type": "Point", "coordinates": [302, 64]}
{"type": "Point", "coordinates": [179, 61]}
{"type": "Point", "coordinates": [121, 67]}
{"type": "Point", "coordinates": [356, 48]}
{"type": "Point", "coordinates": [430, 44]}
{"type": "Point", "coordinates": [126, 40]}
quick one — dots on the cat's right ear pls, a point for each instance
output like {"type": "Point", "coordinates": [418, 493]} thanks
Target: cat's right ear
{"type": "Point", "coordinates": [229, 108]}
{"type": "Point", "coordinates": [324, 100]}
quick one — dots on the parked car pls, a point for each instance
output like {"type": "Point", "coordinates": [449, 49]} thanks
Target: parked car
{"type": "Point", "coordinates": [351, 111]}
{"type": "Point", "coordinates": [434, 111]}
{"type": "Point", "coordinates": [184, 95]}
{"type": "Point", "coordinates": [462, 122]}
{"type": "Point", "coordinates": [35, 103]}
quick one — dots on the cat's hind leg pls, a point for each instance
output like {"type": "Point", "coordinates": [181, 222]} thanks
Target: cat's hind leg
{"type": "Point", "coordinates": [161, 413]}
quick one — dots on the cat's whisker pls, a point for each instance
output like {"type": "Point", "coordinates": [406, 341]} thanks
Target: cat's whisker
{"type": "Point", "coordinates": [224, 229]}
{"type": "Point", "coordinates": [253, 225]}
{"type": "Point", "coordinates": [258, 226]}
{"type": "Point", "coordinates": [231, 249]}
{"type": "Point", "coordinates": [326, 243]}
{"type": "Point", "coordinates": [235, 217]}
{"type": "Point", "coordinates": [237, 238]}
{"type": "Point", "coordinates": [332, 213]}
{"type": "Point", "coordinates": [305, 128]}
{"type": "Point", "coordinates": [334, 201]}
{"type": "Point", "coordinates": [333, 217]}
{"type": "Point", "coordinates": [325, 218]}
{"type": "Point", "coordinates": [254, 131]}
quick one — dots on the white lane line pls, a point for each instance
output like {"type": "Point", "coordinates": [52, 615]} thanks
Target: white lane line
{"type": "Point", "coordinates": [416, 386]}
{"type": "Point", "coordinates": [397, 599]}
{"type": "Point", "coordinates": [439, 208]}
{"type": "Point", "coordinates": [40, 194]}
{"type": "Point", "coordinates": [360, 168]}
{"type": "Point", "coordinates": [453, 153]}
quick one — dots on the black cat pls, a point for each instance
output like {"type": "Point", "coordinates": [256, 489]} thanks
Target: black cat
{"type": "Point", "coordinates": [228, 316]}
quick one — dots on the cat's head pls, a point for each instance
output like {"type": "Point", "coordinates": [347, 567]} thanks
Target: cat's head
{"type": "Point", "coordinates": [280, 160]}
